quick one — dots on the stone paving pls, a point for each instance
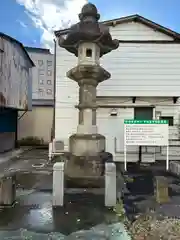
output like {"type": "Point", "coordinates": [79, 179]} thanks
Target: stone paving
{"type": "Point", "coordinates": [33, 213]}
{"type": "Point", "coordinates": [26, 160]}
{"type": "Point", "coordinates": [83, 216]}
{"type": "Point", "coordinates": [8, 158]}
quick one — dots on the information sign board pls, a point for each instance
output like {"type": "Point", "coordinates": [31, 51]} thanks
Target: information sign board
{"type": "Point", "coordinates": [146, 133]}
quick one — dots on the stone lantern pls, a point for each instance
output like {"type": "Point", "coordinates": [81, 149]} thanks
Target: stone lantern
{"type": "Point", "coordinates": [88, 40]}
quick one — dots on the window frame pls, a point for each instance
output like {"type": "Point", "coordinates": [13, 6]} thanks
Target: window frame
{"type": "Point", "coordinates": [49, 91]}
{"type": "Point", "coordinates": [170, 120]}
{"type": "Point", "coordinates": [49, 82]}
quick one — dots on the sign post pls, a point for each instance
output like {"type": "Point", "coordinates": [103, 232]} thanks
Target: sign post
{"type": "Point", "coordinates": [146, 133]}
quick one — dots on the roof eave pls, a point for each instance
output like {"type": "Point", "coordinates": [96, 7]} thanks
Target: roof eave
{"type": "Point", "coordinates": [134, 17]}
{"type": "Point", "coordinates": [3, 35]}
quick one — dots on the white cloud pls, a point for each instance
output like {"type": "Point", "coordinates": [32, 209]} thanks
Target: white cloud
{"type": "Point", "coordinates": [50, 15]}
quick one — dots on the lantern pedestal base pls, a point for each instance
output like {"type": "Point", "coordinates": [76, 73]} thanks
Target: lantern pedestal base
{"type": "Point", "coordinates": [87, 146]}
{"type": "Point", "coordinates": [84, 171]}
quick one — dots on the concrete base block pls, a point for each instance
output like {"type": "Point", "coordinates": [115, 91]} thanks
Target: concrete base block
{"type": "Point", "coordinates": [110, 184]}
{"type": "Point", "coordinates": [86, 144]}
{"type": "Point", "coordinates": [7, 191]}
{"type": "Point", "coordinates": [58, 184]}
{"type": "Point", "coordinates": [161, 190]}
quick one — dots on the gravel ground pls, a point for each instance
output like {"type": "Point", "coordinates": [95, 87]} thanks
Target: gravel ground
{"type": "Point", "coordinates": [151, 227]}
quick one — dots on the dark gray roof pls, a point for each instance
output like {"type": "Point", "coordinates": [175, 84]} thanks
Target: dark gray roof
{"type": "Point", "coordinates": [135, 18]}
{"type": "Point", "coordinates": [38, 50]}
{"type": "Point", "coordinates": [3, 35]}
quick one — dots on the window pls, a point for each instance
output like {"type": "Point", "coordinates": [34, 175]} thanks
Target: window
{"type": "Point", "coordinates": [41, 91]}
{"type": "Point", "coordinates": [49, 63]}
{"type": "Point", "coordinates": [49, 73]}
{"type": "Point", "coordinates": [49, 82]}
{"type": "Point", "coordinates": [40, 63]}
{"type": "Point", "coordinates": [143, 113]}
{"type": "Point", "coordinates": [41, 72]}
{"type": "Point", "coordinates": [169, 119]}
{"type": "Point", "coordinates": [41, 81]}
{"type": "Point", "coordinates": [49, 91]}
{"type": "Point", "coordinates": [113, 112]}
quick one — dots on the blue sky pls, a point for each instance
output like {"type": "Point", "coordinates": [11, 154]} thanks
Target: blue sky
{"type": "Point", "coordinates": [32, 21]}
{"type": "Point", "coordinates": [12, 18]}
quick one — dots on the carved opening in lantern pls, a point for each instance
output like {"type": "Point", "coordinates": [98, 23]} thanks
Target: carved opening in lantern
{"type": "Point", "coordinates": [89, 52]}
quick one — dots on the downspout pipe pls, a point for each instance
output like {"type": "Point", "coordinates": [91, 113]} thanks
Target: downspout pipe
{"type": "Point", "coordinates": [54, 95]}
{"type": "Point", "coordinates": [18, 118]}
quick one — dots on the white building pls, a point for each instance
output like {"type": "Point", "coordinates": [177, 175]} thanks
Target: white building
{"type": "Point", "coordinates": [43, 75]}
{"type": "Point", "coordinates": [39, 122]}
{"type": "Point", "coordinates": [144, 84]}
{"type": "Point", "coordinates": [15, 88]}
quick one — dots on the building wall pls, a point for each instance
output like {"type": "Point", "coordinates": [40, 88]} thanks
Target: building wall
{"type": "Point", "coordinates": [16, 78]}
{"type": "Point", "coordinates": [113, 126]}
{"type": "Point", "coordinates": [36, 123]}
{"type": "Point", "coordinates": [39, 121]}
{"type": "Point", "coordinates": [42, 74]}
{"type": "Point", "coordinates": [140, 70]}
{"type": "Point", "coordinates": [136, 31]}
{"type": "Point", "coordinates": [7, 140]}
{"type": "Point", "coordinates": [15, 88]}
